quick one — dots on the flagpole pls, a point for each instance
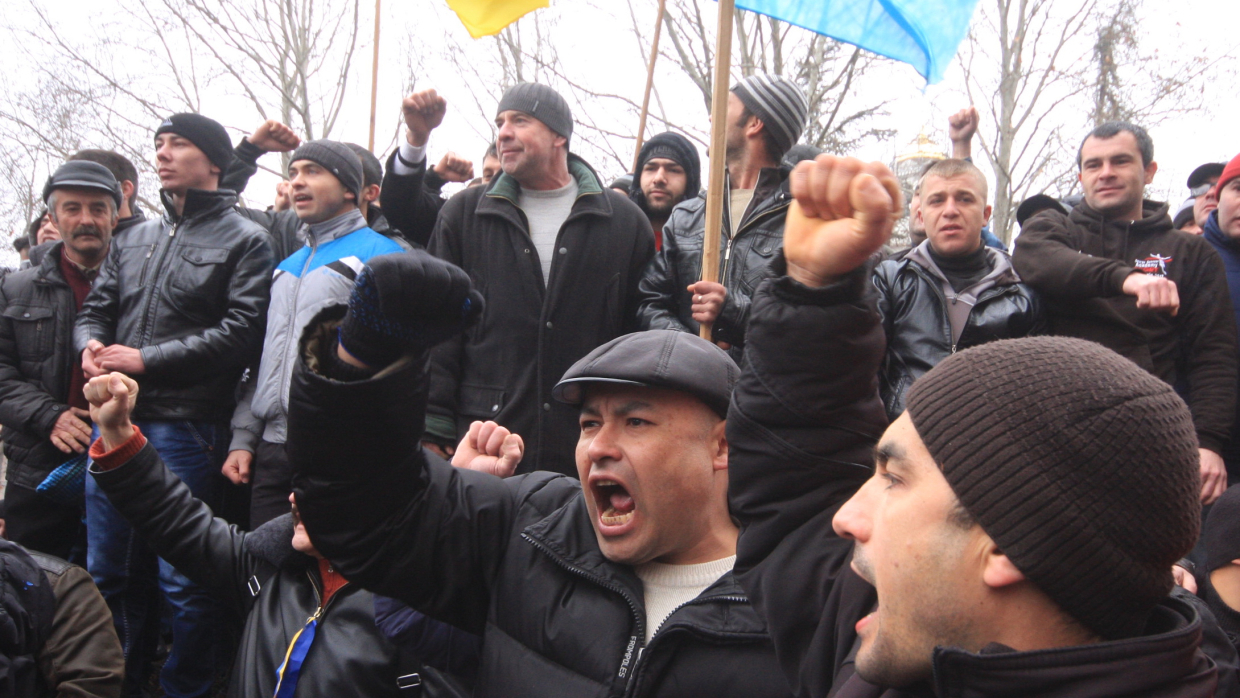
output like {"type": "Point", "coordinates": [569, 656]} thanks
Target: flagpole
{"type": "Point", "coordinates": [718, 146]}
{"type": "Point", "coordinates": [374, 81]}
{"type": "Point", "coordinates": [654, 56]}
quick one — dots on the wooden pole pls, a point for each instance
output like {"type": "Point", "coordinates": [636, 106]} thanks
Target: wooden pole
{"type": "Point", "coordinates": [374, 81]}
{"type": "Point", "coordinates": [654, 56]}
{"type": "Point", "coordinates": [715, 193]}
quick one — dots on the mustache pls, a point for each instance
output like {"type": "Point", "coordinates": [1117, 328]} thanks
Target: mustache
{"type": "Point", "coordinates": [862, 564]}
{"type": "Point", "coordinates": [86, 230]}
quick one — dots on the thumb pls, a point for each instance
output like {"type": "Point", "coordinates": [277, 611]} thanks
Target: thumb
{"type": "Point", "coordinates": [872, 208]}
{"type": "Point", "coordinates": [118, 387]}
{"type": "Point", "coordinates": [511, 453]}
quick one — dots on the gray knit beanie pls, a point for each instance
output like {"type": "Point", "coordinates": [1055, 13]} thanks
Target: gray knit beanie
{"type": "Point", "coordinates": [1082, 467]}
{"type": "Point", "coordinates": [779, 103]}
{"type": "Point", "coordinates": [338, 158]}
{"type": "Point", "coordinates": [540, 102]}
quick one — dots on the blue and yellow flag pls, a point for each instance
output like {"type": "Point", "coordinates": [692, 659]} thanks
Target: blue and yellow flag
{"type": "Point", "coordinates": [487, 17]}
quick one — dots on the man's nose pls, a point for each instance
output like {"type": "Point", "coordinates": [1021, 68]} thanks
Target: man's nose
{"type": "Point", "coordinates": [853, 520]}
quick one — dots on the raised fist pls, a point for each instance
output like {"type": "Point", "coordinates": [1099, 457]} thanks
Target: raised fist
{"type": "Point", "coordinates": [274, 137]}
{"type": "Point", "coordinates": [423, 112]}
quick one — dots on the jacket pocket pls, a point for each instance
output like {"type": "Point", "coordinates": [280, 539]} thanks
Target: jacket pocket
{"type": "Point", "coordinates": [480, 402]}
{"type": "Point", "coordinates": [34, 330]}
{"type": "Point", "coordinates": [198, 281]}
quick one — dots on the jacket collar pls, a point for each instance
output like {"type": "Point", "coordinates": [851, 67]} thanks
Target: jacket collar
{"type": "Point", "coordinates": [199, 203]}
{"type": "Point", "coordinates": [1215, 236]}
{"type": "Point", "coordinates": [500, 199]}
{"type": "Point", "coordinates": [1154, 218]}
{"type": "Point", "coordinates": [273, 542]}
{"type": "Point", "coordinates": [49, 265]}
{"type": "Point", "coordinates": [1163, 662]}
{"type": "Point", "coordinates": [348, 222]}
{"type": "Point", "coordinates": [1001, 271]}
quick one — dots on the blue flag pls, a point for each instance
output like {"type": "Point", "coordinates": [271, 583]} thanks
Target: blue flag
{"type": "Point", "coordinates": [922, 33]}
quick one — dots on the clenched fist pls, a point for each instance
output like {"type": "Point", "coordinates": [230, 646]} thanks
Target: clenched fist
{"type": "Point", "coordinates": [112, 397]}
{"type": "Point", "coordinates": [423, 112]}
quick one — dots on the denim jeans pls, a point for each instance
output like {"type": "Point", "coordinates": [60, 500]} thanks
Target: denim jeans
{"type": "Point", "coordinates": [129, 575]}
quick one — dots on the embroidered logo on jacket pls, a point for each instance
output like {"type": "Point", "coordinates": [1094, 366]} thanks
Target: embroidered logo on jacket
{"type": "Point", "coordinates": [1155, 265]}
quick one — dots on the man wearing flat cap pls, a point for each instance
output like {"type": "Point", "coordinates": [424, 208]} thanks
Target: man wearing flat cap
{"type": "Point", "coordinates": [617, 582]}
{"type": "Point", "coordinates": [766, 115]}
{"type": "Point", "coordinates": [557, 256]}
{"type": "Point", "coordinates": [180, 305]}
{"type": "Point", "coordinates": [45, 415]}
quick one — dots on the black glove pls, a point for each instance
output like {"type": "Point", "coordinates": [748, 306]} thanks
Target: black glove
{"type": "Point", "coordinates": [405, 303]}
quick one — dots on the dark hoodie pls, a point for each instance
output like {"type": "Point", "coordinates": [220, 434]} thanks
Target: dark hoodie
{"type": "Point", "coordinates": [672, 146]}
{"type": "Point", "coordinates": [1079, 262]}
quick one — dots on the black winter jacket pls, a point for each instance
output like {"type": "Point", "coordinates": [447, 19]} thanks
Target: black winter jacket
{"type": "Point", "coordinates": [532, 331]}
{"type": "Point", "coordinates": [1078, 264]}
{"type": "Point", "coordinates": [913, 302]}
{"type": "Point", "coordinates": [666, 304]}
{"type": "Point", "coordinates": [412, 205]}
{"type": "Point", "coordinates": [190, 292]}
{"type": "Point", "coordinates": [36, 365]}
{"type": "Point", "coordinates": [259, 576]}
{"type": "Point", "coordinates": [514, 560]}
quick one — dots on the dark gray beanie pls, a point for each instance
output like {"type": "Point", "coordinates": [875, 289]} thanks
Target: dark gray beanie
{"type": "Point", "coordinates": [540, 102]}
{"type": "Point", "coordinates": [206, 133]}
{"type": "Point", "coordinates": [1082, 467]}
{"type": "Point", "coordinates": [779, 103]}
{"type": "Point", "coordinates": [338, 158]}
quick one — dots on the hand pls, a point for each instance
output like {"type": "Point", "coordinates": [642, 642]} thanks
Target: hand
{"type": "Point", "coordinates": [112, 397]}
{"type": "Point", "coordinates": [453, 168]}
{"type": "Point", "coordinates": [962, 125]}
{"type": "Point", "coordinates": [70, 434]}
{"type": "Point", "coordinates": [423, 112]}
{"type": "Point", "coordinates": [284, 196]}
{"type": "Point", "coordinates": [1213, 476]}
{"type": "Point", "coordinates": [119, 357]}
{"type": "Point", "coordinates": [843, 212]}
{"type": "Point", "coordinates": [1184, 578]}
{"type": "Point", "coordinates": [237, 466]}
{"type": "Point", "coordinates": [274, 137]}
{"type": "Point", "coordinates": [1153, 292]}
{"type": "Point", "coordinates": [708, 298]}
{"type": "Point", "coordinates": [489, 448]}
{"type": "Point", "coordinates": [89, 366]}
{"type": "Point", "coordinates": [444, 452]}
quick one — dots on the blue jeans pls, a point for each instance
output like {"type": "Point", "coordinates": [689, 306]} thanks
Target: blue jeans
{"type": "Point", "coordinates": [129, 575]}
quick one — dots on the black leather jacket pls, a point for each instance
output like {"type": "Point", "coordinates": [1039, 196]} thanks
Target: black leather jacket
{"type": "Point", "coordinates": [913, 307]}
{"type": "Point", "coordinates": [191, 292]}
{"type": "Point", "coordinates": [36, 363]}
{"type": "Point", "coordinates": [258, 575]}
{"type": "Point", "coordinates": [665, 302]}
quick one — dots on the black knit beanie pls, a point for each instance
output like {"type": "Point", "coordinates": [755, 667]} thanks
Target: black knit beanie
{"type": "Point", "coordinates": [1221, 536]}
{"type": "Point", "coordinates": [672, 146]}
{"type": "Point", "coordinates": [338, 158]}
{"type": "Point", "coordinates": [1082, 467]}
{"type": "Point", "coordinates": [372, 169]}
{"type": "Point", "coordinates": [207, 134]}
{"type": "Point", "coordinates": [540, 102]}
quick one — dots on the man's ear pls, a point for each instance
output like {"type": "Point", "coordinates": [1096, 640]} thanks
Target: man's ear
{"type": "Point", "coordinates": [719, 445]}
{"type": "Point", "coordinates": [754, 127]}
{"type": "Point", "coordinates": [370, 193]}
{"type": "Point", "coordinates": [999, 571]}
{"type": "Point", "coordinates": [1150, 170]}
{"type": "Point", "coordinates": [127, 189]}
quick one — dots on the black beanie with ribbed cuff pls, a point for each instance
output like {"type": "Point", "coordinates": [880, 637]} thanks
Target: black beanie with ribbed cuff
{"type": "Point", "coordinates": [1082, 467]}
{"type": "Point", "coordinates": [205, 133]}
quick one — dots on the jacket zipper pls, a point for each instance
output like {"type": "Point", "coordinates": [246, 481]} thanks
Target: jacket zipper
{"type": "Point", "coordinates": [936, 284]}
{"type": "Point", "coordinates": [151, 293]}
{"type": "Point", "coordinates": [638, 639]}
{"type": "Point", "coordinates": [730, 241]}
{"type": "Point", "coordinates": [318, 595]}
{"type": "Point", "coordinates": [285, 375]}
{"type": "Point", "coordinates": [695, 601]}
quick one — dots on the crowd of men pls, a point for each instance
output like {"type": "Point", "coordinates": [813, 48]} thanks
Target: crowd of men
{"type": "Point", "coordinates": [371, 441]}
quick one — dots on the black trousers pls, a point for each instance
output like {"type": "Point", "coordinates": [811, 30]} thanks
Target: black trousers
{"type": "Point", "coordinates": [271, 482]}
{"type": "Point", "coordinates": [37, 523]}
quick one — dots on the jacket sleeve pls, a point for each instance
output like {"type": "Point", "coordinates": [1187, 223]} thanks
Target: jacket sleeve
{"type": "Point", "coordinates": [801, 430]}
{"type": "Point", "coordinates": [446, 359]}
{"type": "Point", "coordinates": [238, 337]}
{"type": "Point", "coordinates": [642, 256]}
{"type": "Point", "coordinates": [733, 322]}
{"type": "Point", "coordinates": [101, 309]}
{"type": "Point", "coordinates": [23, 405]}
{"type": "Point", "coordinates": [391, 519]}
{"type": "Point", "coordinates": [1046, 259]}
{"type": "Point", "coordinates": [82, 657]}
{"type": "Point", "coordinates": [180, 528]}
{"type": "Point", "coordinates": [247, 429]}
{"type": "Point", "coordinates": [1209, 327]}
{"type": "Point", "coordinates": [244, 166]}
{"type": "Point", "coordinates": [406, 202]}
{"type": "Point", "coordinates": [658, 287]}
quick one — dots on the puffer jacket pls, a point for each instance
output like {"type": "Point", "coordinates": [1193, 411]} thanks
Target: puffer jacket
{"type": "Point", "coordinates": [913, 298]}
{"type": "Point", "coordinates": [665, 304]}
{"type": "Point", "coordinates": [319, 275]}
{"type": "Point", "coordinates": [191, 292]}
{"type": "Point", "coordinates": [36, 365]}
{"type": "Point", "coordinates": [514, 560]}
{"type": "Point", "coordinates": [259, 575]}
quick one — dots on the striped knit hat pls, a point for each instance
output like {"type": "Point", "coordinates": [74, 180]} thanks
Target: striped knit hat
{"type": "Point", "coordinates": [1082, 467]}
{"type": "Point", "coordinates": [779, 103]}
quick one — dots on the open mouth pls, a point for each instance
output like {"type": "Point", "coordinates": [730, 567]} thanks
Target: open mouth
{"type": "Point", "coordinates": [302, 199]}
{"type": "Point", "coordinates": [615, 505]}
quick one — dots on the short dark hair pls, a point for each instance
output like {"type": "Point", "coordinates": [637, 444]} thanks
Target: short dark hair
{"type": "Point", "coordinates": [21, 242]}
{"type": "Point", "coordinates": [1111, 129]}
{"type": "Point", "coordinates": [492, 152]}
{"type": "Point", "coordinates": [32, 230]}
{"type": "Point", "coordinates": [119, 165]}
{"type": "Point", "coordinates": [773, 148]}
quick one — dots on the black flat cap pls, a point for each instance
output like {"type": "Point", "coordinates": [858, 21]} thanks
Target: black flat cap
{"type": "Point", "coordinates": [1204, 173]}
{"type": "Point", "coordinates": [83, 174]}
{"type": "Point", "coordinates": [656, 359]}
{"type": "Point", "coordinates": [1035, 204]}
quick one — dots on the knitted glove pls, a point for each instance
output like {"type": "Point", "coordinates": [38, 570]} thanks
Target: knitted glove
{"type": "Point", "coordinates": [405, 303]}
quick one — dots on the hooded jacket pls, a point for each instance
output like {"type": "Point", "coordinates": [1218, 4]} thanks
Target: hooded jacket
{"type": "Point", "coordinates": [1228, 250]}
{"type": "Point", "coordinates": [674, 147]}
{"type": "Point", "coordinates": [915, 300]}
{"type": "Point", "coordinates": [1079, 262]}
{"type": "Point", "coordinates": [532, 331]}
{"type": "Point", "coordinates": [191, 292]}
{"type": "Point", "coordinates": [666, 304]}
{"type": "Point", "coordinates": [513, 560]}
